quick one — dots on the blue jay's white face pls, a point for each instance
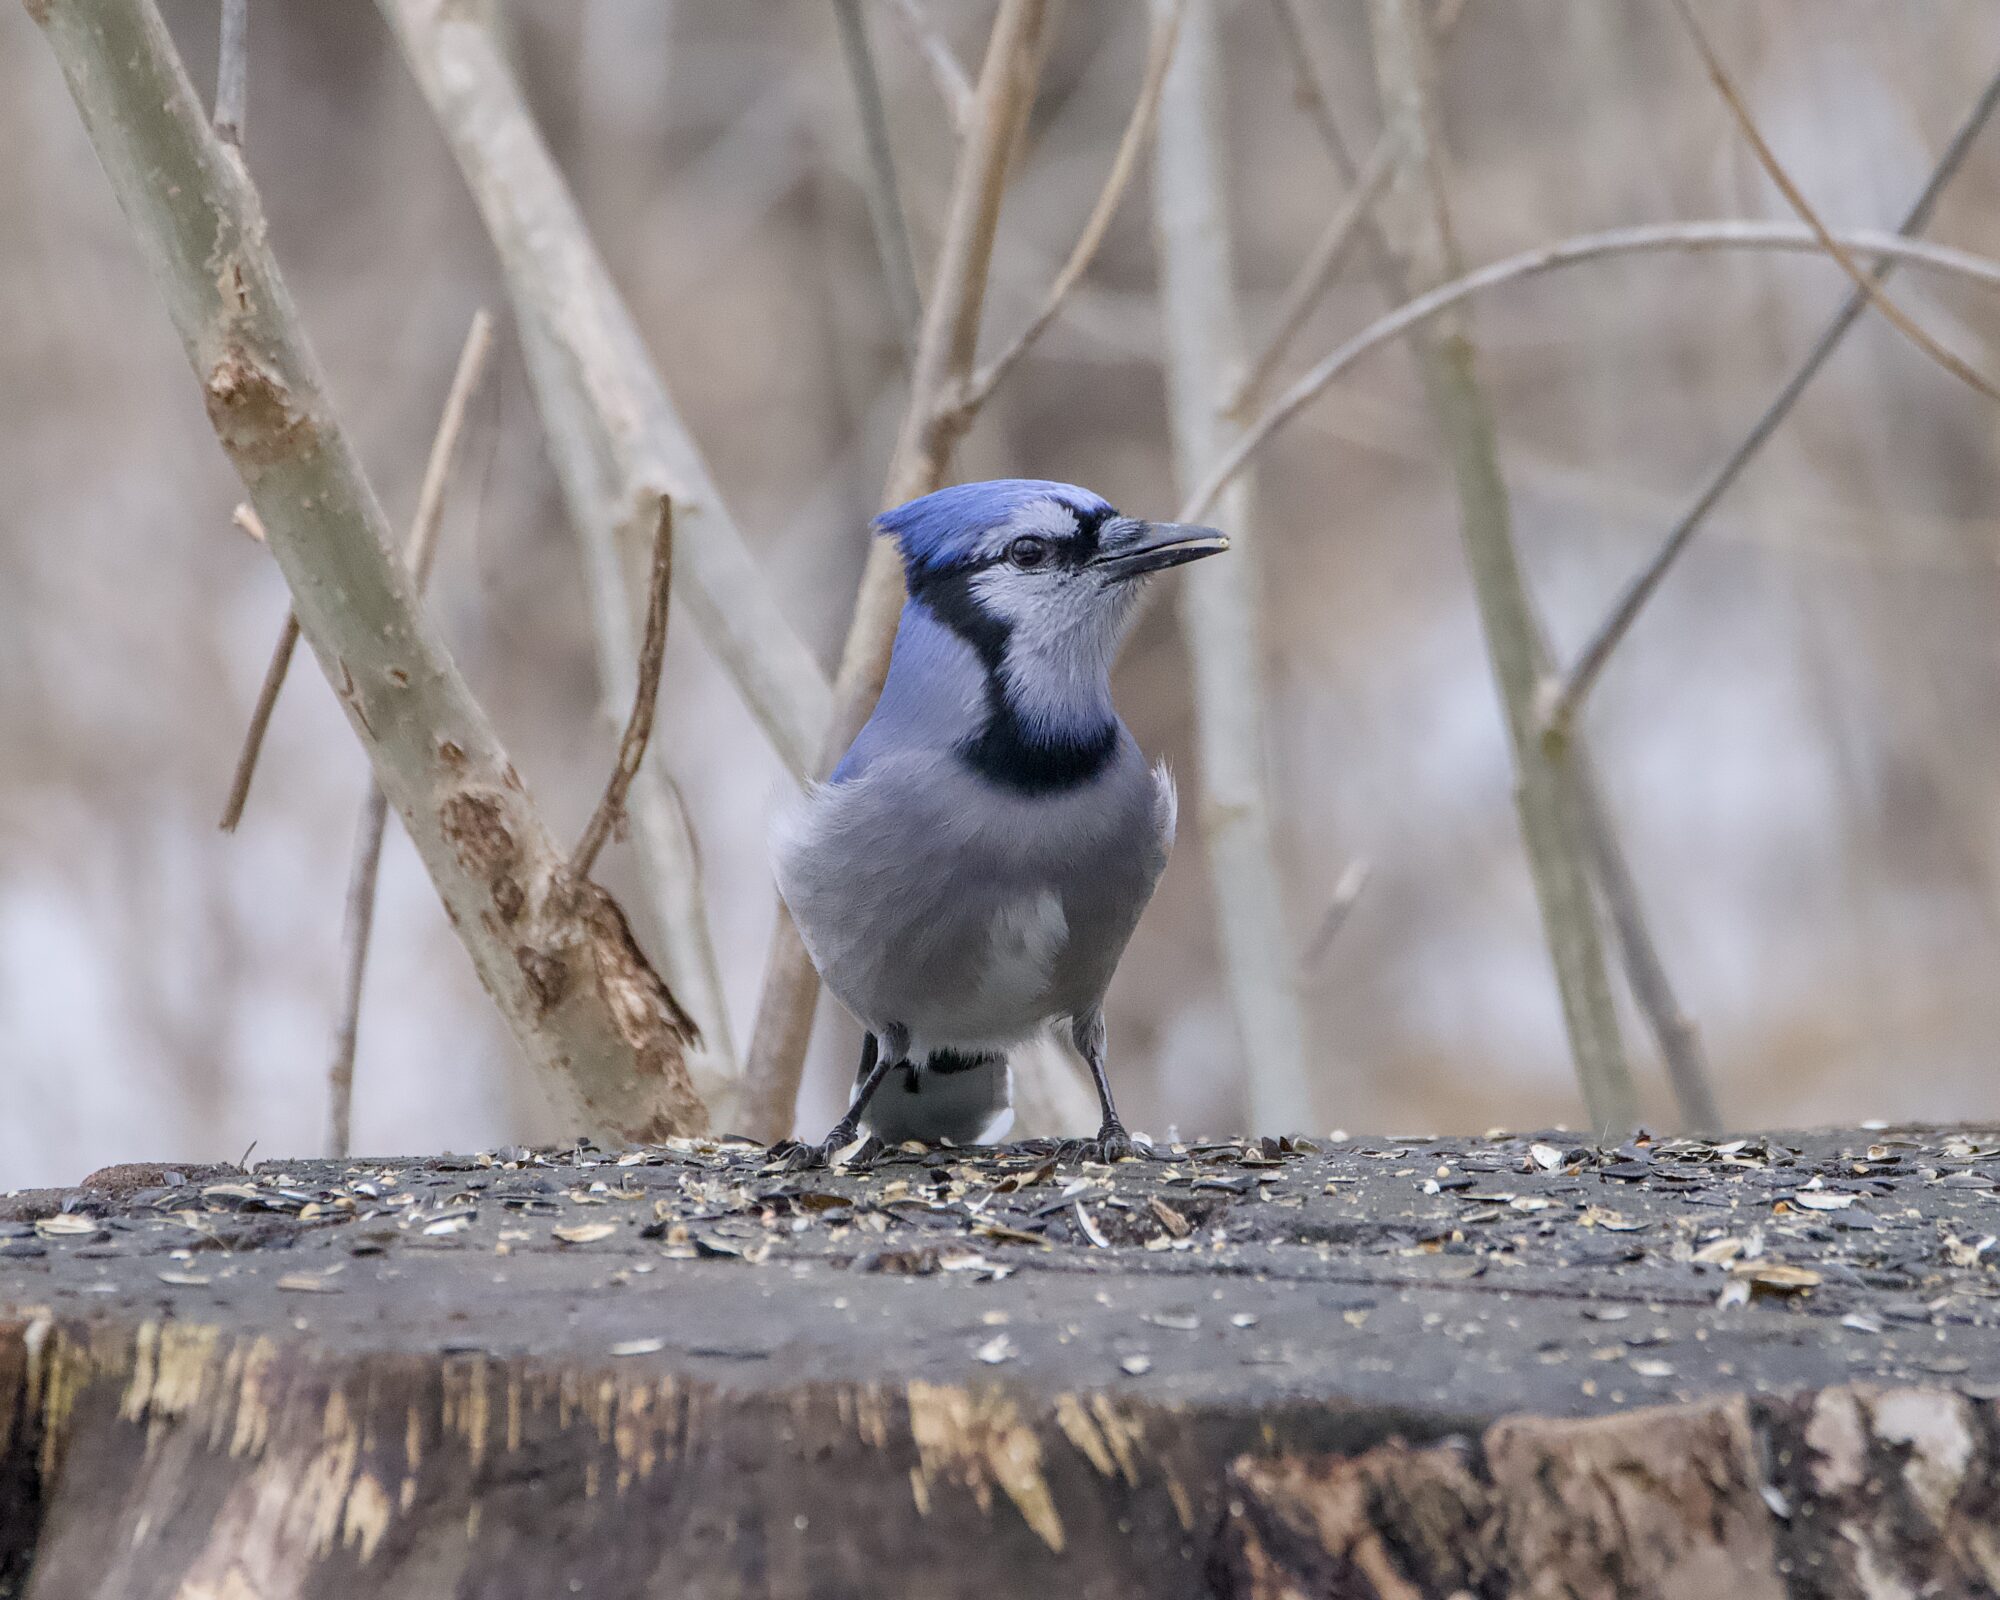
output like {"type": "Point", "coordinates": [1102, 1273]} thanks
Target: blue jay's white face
{"type": "Point", "coordinates": [1065, 599]}
{"type": "Point", "coordinates": [1055, 584]}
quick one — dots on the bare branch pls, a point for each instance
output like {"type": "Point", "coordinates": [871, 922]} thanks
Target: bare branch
{"type": "Point", "coordinates": [419, 555]}
{"type": "Point", "coordinates": [1353, 221]}
{"type": "Point", "coordinates": [932, 425]}
{"type": "Point", "coordinates": [670, 861]}
{"type": "Point", "coordinates": [232, 71]}
{"type": "Point", "coordinates": [618, 443]}
{"type": "Point", "coordinates": [1646, 239]}
{"type": "Point", "coordinates": [781, 1033]}
{"type": "Point", "coordinates": [670, 867]}
{"type": "Point", "coordinates": [1767, 158]}
{"type": "Point", "coordinates": [1131, 145]}
{"type": "Point", "coordinates": [621, 441]}
{"type": "Point", "coordinates": [948, 341]}
{"type": "Point", "coordinates": [591, 1016]}
{"type": "Point", "coordinates": [1545, 788]}
{"type": "Point", "coordinates": [632, 744]}
{"type": "Point", "coordinates": [885, 205]}
{"type": "Point", "coordinates": [1563, 700]}
{"type": "Point", "coordinates": [1221, 611]}
{"type": "Point", "coordinates": [953, 86]}
{"type": "Point", "coordinates": [357, 929]}
{"type": "Point", "coordinates": [1346, 896]}
{"type": "Point", "coordinates": [260, 716]}
{"type": "Point", "coordinates": [429, 506]}
{"type": "Point", "coordinates": [1574, 778]}
{"type": "Point", "coordinates": [420, 550]}
{"type": "Point", "coordinates": [1317, 271]}
{"type": "Point", "coordinates": [1307, 88]}
{"type": "Point", "coordinates": [1674, 1032]}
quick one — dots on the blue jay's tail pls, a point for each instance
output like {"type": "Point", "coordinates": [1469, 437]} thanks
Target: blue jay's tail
{"type": "Point", "coordinates": [964, 1096]}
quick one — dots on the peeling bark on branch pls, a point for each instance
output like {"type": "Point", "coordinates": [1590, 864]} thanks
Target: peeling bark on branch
{"type": "Point", "coordinates": [598, 1025]}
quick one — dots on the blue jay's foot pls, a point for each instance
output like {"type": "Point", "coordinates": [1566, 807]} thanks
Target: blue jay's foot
{"type": "Point", "coordinates": [796, 1156]}
{"type": "Point", "coordinates": [1112, 1144]}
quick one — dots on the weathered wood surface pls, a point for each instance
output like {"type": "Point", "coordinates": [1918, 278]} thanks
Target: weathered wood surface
{"type": "Point", "coordinates": [1392, 1367]}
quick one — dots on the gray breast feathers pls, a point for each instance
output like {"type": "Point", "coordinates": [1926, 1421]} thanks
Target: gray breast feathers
{"type": "Point", "coordinates": [971, 917]}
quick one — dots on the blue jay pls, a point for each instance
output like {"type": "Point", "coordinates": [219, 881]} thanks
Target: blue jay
{"type": "Point", "coordinates": [973, 868]}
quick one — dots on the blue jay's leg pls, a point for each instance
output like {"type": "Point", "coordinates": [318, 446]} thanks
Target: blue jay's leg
{"type": "Point", "coordinates": [876, 1062]}
{"type": "Point", "coordinates": [1112, 1143]}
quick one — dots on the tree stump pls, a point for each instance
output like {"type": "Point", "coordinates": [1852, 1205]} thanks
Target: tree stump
{"type": "Point", "coordinates": [1388, 1367]}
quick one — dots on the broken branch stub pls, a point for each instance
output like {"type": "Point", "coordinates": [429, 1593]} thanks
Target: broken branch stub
{"type": "Point", "coordinates": [605, 1036]}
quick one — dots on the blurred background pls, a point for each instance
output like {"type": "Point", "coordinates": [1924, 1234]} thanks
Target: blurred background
{"type": "Point", "coordinates": [1798, 741]}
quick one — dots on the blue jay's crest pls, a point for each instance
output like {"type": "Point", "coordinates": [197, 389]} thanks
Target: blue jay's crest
{"type": "Point", "coordinates": [958, 524]}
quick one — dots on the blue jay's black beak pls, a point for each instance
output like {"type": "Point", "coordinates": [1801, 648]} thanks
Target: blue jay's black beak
{"type": "Point", "coordinates": [1159, 545]}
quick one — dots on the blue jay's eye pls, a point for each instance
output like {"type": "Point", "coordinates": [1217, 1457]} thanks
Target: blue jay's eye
{"type": "Point", "coordinates": [1028, 551]}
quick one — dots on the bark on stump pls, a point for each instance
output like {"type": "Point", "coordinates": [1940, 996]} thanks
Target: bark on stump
{"type": "Point", "coordinates": [1504, 1367]}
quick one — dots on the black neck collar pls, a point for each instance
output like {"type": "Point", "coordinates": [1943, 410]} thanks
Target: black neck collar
{"type": "Point", "coordinates": [1005, 751]}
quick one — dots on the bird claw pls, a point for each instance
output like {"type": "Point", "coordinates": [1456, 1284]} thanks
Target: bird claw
{"type": "Point", "coordinates": [795, 1155]}
{"type": "Point", "coordinates": [1112, 1144]}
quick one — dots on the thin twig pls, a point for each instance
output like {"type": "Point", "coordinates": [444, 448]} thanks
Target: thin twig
{"type": "Point", "coordinates": [632, 744]}
{"type": "Point", "coordinates": [357, 928]}
{"type": "Point", "coordinates": [420, 552]}
{"type": "Point", "coordinates": [232, 72]}
{"type": "Point", "coordinates": [1346, 895]}
{"type": "Point", "coordinates": [1317, 271]}
{"type": "Point", "coordinates": [1545, 788]}
{"type": "Point", "coordinates": [1646, 976]}
{"type": "Point", "coordinates": [1561, 705]}
{"type": "Point", "coordinates": [1221, 609]}
{"type": "Point", "coordinates": [260, 723]}
{"type": "Point", "coordinates": [1353, 221]}
{"type": "Point", "coordinates": [1647, 238]}
{"type": "Point", "coordinates": [1379, 250]}
{"type": "Point", "coordinates": [885, 205]}
{"type": "Point", "coordinates": [932, 425]}
{"type": "Point", "coordinates": [1310, 91]}
{"type": "Point", "coordinates": [953, 86]}
{"type": "Point", "coordinates": [1674, 1032]}
{"type": "Point", "coordinates": [1866, 284]}
{"type": "Point", "coordinates": [1564, 780]}
{"type": "Point", "coordinates": [1131, 145]}
{"type": "Point", "coordinates": [1307, 89]}
{"type": "Point", "coordinates": [420, 556]}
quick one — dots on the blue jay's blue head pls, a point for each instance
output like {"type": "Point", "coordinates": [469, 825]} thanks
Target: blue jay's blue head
{"type": "Point", "coordinates": [1036, 526]}
{"type": "Point", "coordinates": [1048, 567]}
{"type": "Point", "coordinates": [1039, 579]}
